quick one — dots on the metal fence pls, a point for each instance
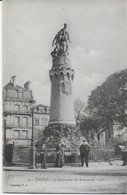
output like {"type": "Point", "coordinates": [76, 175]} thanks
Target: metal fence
{"type": "Point", "coordinates": [21, 154]}
{"type": "Point", "coordinates": [102, 154]}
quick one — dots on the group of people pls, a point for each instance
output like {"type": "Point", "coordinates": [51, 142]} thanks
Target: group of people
{"type": "Point", "coordinates": [84, 153]}
{"type": "Point", "coordinates": [59, 156]}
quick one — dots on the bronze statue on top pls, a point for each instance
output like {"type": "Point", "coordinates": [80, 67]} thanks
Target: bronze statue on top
{"type": "Point", "coordinates": [61, 43]}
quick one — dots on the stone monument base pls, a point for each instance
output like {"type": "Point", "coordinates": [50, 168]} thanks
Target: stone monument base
{"type": "Point", "coordinates": [68, 135]}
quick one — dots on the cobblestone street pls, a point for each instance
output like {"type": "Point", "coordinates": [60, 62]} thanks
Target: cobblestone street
{"type": "Point", "coordinates": [101, 179]}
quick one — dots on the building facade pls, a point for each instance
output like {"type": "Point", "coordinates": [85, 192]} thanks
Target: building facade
{"type": "Point", "coordinates": [17, 106]}
{"type": "Point", "coordinates": [41, 119]}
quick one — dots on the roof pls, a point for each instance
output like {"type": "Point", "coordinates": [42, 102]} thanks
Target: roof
{"type": "Point", "coordinates": [11, 87]}
{"type": "Point", "coordinates": [41, 105]}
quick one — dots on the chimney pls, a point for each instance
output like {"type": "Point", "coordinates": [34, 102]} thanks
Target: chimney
{"type": "Point", "coordinates": [27, 85]}
{"type": "Point", "coordinates": [13, 80]}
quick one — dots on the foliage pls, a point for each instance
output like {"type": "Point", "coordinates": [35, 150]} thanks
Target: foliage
{"type": "Point", "coordinates": [79, 107]}
{"type": "Point", "coordinates": [107, 104]}
{"type": "Point", "coordinates": [73, 157]}
{"type": "Point", "coordinates": [109, 101]}
{"type": "Point", "coordinates": [93, 124]}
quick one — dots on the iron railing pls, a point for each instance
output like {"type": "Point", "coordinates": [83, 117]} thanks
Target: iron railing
{"type": "Point", "coordinates": [21, 154]}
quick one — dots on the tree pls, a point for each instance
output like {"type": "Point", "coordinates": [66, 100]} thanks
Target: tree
{"type": "Point", "coordinates": [110, 99]}
{"type": "Point", "coordinates": [79, 107]}
{"type": "Point", "coordinates": [107, 104]}
{"type": "Point", "coordinates": [93, 124]}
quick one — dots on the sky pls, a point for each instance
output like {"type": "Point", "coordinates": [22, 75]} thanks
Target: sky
{"type": "Point", "coordinates": [98, 33]}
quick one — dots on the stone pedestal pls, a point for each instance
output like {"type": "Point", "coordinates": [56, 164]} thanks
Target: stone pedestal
{"type": "Point", "coordinates": [62, 126]}
{"type": "Point", "coordinates": [68, 135]}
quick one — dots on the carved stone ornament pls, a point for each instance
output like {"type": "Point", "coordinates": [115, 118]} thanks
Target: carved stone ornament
{"type": "Point", "coordinates": [68, 135]}
{"type": "Point", "coordinates": [66, 87]}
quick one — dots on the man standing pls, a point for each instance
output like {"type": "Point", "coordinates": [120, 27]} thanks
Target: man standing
{"type": "Point", "coordinates": [124, 155]}
{"type": "Point", "coordinates": [59, 156]}
{"type": "Point", "coordinates": [43, 156]}
{"type": "Point", "coordinates": [84, 152]}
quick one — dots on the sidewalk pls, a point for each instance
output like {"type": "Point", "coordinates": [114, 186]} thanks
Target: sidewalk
{"type": "Point", "coordinates": [102, 168]}
{"type": "Point", "coordinates": [98, 178]}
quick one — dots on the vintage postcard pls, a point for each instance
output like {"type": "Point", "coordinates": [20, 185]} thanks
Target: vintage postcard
{"type": "Point", "coordinates": [64, 96]}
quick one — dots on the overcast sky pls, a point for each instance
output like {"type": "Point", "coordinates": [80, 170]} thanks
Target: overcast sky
{"type": "Point", "coordinates": [98, 33]}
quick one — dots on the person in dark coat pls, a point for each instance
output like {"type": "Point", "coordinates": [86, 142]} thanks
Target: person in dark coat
{"type": "Point", "coordinates": [124, 155]}
{"type": "Point", "coordinates": [8, 153]}
{"type": "Point", "coordinates": [59, 156]}
{"type": "Point", "coordinates": [84, 153]}
{"type": "Point", "coordinates": [43, 156]}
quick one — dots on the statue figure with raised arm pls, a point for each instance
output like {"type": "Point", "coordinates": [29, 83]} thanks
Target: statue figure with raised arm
{"type": "Point", "coordinates": [61, 42]}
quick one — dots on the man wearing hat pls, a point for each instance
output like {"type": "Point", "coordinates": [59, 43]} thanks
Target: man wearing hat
{"type": "Point", "coordinates": [43, 156]}
{"type": "Point", "coordinates": [84, 152]}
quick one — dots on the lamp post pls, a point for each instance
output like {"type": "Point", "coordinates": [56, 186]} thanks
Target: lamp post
{"type": "Point", "coordinates": [5, 119]}
{"type": "Point", "coordinates": [32, 148]}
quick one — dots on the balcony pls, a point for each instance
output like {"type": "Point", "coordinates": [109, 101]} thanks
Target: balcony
{"type": "Point", "coordinates": [19, 125]}
{"type": "Point", "coordinates": [19, 99]}
{"type": "Point", "coordinates": [25, 112]}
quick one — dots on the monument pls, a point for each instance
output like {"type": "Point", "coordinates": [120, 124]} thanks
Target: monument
{"type": "Point", "coordinates": [62, 125]}
{"type": "Point", "coordinates": [61, 76]}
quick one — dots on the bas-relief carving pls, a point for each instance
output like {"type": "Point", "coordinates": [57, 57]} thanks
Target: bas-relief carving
{"type": "Point", "coordinates": [68, 135]}
{"type": "Point", "coordinates": [66, 87]}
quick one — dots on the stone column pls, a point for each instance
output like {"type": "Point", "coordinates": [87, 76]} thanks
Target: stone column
{"type": "Point", "coordinates": [61, 106]}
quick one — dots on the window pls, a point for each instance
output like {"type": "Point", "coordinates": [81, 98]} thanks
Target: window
{"type": "Point", "coordinates": [36, 121]}
{"type": "Point", "coordinates": [17, 108]}
{"type": "Point", "coordinates": [24, 134]}
{"type": "Point", "coordinates": [20, 95]}
{"type": "Point", "coordinates": [8, 133]}
{"type": "Point", "coordinates": [27, 95]}
{"type": "Point", "coordinates": [25, 121]}
{"type": "Point", "coordinates": [44, 121]}
{"type": "Point", "coordinates": [16, 134]}
{"type": "Point", "coordinates": [25, 108]}
{"type": "Point", "coordinates": [17, 121]}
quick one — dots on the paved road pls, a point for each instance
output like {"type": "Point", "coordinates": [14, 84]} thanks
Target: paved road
{"type": "Point", "coordinates": [66, 180]}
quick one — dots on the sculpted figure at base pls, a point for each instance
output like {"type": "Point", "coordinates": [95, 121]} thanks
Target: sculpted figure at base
{"type": "Point", "coordinates": [61, 42]}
